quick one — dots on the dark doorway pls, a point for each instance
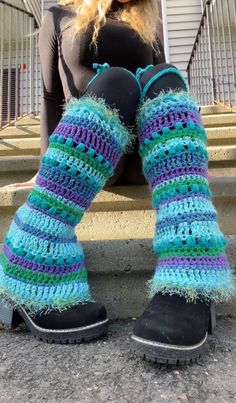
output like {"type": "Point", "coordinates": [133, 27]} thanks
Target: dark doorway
{"type": "Point", "coordinates": [14, 95]}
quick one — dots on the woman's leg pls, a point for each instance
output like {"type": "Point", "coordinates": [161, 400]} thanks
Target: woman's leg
{"type": "Point", "coordinates": [133, 172]}
{"type": "Point", "coordinates": [122, 92]}
{"type": "Point", "coordinates": [42, 270]}
{"type": "Point", "coordinates": [192, 269]}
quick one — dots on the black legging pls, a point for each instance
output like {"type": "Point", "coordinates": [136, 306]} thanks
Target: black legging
{"type": "Point", "coordinates": [121, 90]}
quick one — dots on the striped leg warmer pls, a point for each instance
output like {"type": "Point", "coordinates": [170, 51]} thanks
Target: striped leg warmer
{"type": "Point", "coordinates": [42, 264]}
{"type": "Point", "coordinates": [189, 244]}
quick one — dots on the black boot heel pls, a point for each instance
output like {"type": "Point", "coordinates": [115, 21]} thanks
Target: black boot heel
{"type": "Point", "coordinates": [9, 318]}
{"type": "Point", "coordinates": [212, 318]}
{"type": "Point", "coordinates": [83, 322]}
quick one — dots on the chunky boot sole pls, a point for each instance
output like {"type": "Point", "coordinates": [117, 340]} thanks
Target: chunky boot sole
{"type": "Point", "coordinates": [11, 318]}
{"type": "Point", "coordinates": [173, 354]}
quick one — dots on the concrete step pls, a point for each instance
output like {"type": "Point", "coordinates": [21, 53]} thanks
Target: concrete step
{"type": "Point", "coordinates": [213, 116]}
{"type": "Point", "coordinates": [21, 168]}
{"type": "Point", "coordinates": [28, 120]}
{"type": "Point", "coordinates": [21, 146]}
{"type": "Point", "coordinates": [222, 136]}
{"type": "Point", "coordinates": [117, 237]}
{"type": "Point", "coordinates": [117, 267]}
{"type": "Point", "coordinates": [29, 146]}
{"type": "Point", "coordinates": [213, 109]}
{"type": "Point", "coordinates": [205, 110]}
{"type": "Point", "coordinates": [14, 132]}
{"type": "Point", "coordinates": [125, 212]}
{"type": "Point", "coordinates": [218, 120]}
{"type": "Point", "coordinates": [17, 169]}
{"type": "Point", "coordinates": [216, 135]}
{"type": "Point", "coordinates": [19, 163]}
{"type": "Point", "coordinates": [222, 153]}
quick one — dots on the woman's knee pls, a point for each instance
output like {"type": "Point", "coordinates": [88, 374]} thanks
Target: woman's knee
{"type": "Point", "coordinates": [120, 89]}
{"type": "Point", "coordinates": [169, 80]}
{"type": "Point", "coordinates": [115, 80]}
{"type": "Point", "coordinates": [154, 70]}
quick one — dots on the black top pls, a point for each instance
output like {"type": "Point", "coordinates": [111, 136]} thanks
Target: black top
{"type": "Point", "coordinates": [67, 60]}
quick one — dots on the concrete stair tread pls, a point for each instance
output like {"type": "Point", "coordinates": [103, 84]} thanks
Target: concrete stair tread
{"type": "Point", "coordinates": [26, 146]}
{"type": "Point", "coordinates": [117, 231]}
{"type": "Point", "coordinates": [222, 153]}
{"type": "Point", "coordinates": [214, 109]}
{"type": "Point", "coordinates": [29, 126]}
{"type": "Point", "coordinates": [20, 132]}
{"type": "Point", "coordinates": [28, 120]}
{"type": "Point", "coordinates": [221, 119]}
{"type": "Point", "coordinates": [15, 134]}
{"type": "Point", "coordinates": [116, 198]}
{"type": "Point", "coordinates": [117, 268]}
{"type": "Point", "coordinates": [141, 253]}
{"type": "Point", "coordinates": [19, 146]}
{"type": "Point", "coordinates": [223, 132]}
{"type": "Point", "coordinates": [15, 163]}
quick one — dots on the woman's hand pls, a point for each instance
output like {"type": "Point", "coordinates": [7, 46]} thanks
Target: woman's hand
{"type": "Point", "coordinates": [29, 183]}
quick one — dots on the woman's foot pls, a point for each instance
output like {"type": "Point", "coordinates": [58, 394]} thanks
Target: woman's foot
{"type": "Point", "coordinates": [83, 322]}
{"type": "Point", "coordinates": [173, 331]}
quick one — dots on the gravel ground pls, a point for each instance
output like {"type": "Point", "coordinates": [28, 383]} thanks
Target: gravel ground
{"type": "Point", "coordinates": [106, 371]}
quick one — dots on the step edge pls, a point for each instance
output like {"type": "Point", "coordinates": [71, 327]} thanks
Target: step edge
{"type": "Point", "coordinates": [121, 197]}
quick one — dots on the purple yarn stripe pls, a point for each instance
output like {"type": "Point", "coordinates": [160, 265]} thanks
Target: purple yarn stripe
{"type": "Point", "coordinates": [73, 128]}
{"type": "Point", "coordinates": [169, 121]}
{"type": "Point", "coordinates": [90, 140]}
{"type": "Point", "coordinates": [177, 172]}
{"type": "Point", "coordinates": [65, 179]}
{"type": "Point", "coordinates": [184, 112]}
{"type": "Point", "coordinates": [40, 234]}
{"type": "Point", "coordinates": [40, 267]}
{"type": "Point", "coordinates": [65, 193]}
{"type": "Point", "coordinates": [176, 161]}
{"type": "Point", "coordinates": [219, 260]}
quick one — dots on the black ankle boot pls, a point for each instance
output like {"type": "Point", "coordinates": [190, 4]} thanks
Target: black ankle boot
{"type": "Point", "coordinates": [79, 323]}
{"type": "Point", "coordinates": [173, 331]}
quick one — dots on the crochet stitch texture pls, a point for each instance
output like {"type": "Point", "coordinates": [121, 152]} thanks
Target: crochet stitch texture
{"type": "Point", "coordinates": [188, 241]}
{"type": "Point", "coordinates": [42, 265]}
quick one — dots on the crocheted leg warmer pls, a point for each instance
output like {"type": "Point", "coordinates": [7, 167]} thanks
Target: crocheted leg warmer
{"type": "Point", "coordinates": [190, 246]}
{"type": "Point", "coordinates": [42, 265]}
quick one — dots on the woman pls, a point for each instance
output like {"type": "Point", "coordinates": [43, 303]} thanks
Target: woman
{"type": "Point", "coordinates": [42, 265]}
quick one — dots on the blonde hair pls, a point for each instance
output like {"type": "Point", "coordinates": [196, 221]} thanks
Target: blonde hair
{"type": "Point", "coordinates": [141, 15]}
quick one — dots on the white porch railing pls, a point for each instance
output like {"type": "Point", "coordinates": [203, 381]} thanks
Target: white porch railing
{"type": "Point", "coordinates": [19, 76]}
{"type": "Point", "coordinates": [212, 65]}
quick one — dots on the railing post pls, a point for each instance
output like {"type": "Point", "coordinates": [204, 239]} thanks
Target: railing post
{"type": "Point", "coordinates": [213, 53]}
{"type": "Point", "coordinates": [2, 28]}
{"type": "Point", "coordinates": [231, 43]}
{"type": "Point", "coordinates": [17, 63]}
{"type": "Point", "coordinates": [210, 50]}
{"type": "Point", "coordinates": [9, 69]}
{"type": "Point", "coordinates": [31, 67]}
{"type": "Point", "coordinates": [225, 51]}
{"type": "Point", "coordinates": [188, 75]}
{"type": "Point", "coordinates": [17, 67]}
{"type": "Point", "coordinates": [22, 64]}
